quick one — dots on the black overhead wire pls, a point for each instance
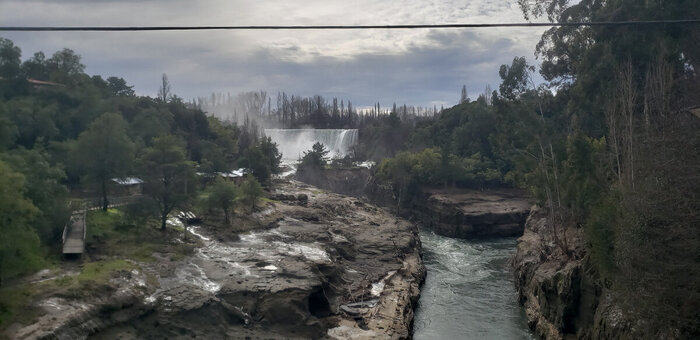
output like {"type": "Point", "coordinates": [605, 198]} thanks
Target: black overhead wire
{"type": "Point", "coordinates": [337, 27]}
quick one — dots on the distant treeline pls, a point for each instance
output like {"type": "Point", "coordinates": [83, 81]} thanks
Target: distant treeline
{"type": "Point", "coordinates": [290, 111]}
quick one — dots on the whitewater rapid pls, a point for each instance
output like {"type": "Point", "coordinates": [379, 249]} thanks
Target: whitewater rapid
{"type": "Point", "coordinates": [468, 292]}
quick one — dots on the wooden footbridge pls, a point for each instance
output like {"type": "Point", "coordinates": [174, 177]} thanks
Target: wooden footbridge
{"type": "Point", "coordinates": [75, 230]}
{"type": "Point", "coordinates": [74, 234]}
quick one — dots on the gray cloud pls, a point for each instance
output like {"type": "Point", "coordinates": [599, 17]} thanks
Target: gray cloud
{"type": "Point", "coordinates": [417, 67]}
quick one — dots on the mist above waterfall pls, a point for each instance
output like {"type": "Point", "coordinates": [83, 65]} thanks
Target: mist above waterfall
{"type": "Point", "coordinates": [293, 142]}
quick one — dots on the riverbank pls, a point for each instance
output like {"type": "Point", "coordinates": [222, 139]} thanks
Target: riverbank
{"type": "Point", "coordinates": [327, 266]}
{"type": "Point", "coordinates": [468, 243]}
{"type": "Point", "coordinates": [562, 295]}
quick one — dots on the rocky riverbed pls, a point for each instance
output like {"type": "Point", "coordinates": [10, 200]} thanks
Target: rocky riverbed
{"type": "Point", "coordinates": [320, 265]}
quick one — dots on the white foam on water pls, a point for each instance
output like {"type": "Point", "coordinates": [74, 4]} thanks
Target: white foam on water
{"type": "Point", "coordinates": [243, 270]}
{"type": "Point", "coordinates": [292, 143]}
{"type": "Point", "coordinates": [193, 230]}
{"type": "Point", "coordinates": [468, 290]}
{"type": "Point", "coordinates": [251, 238]}
{"type": "Point", "coordinates": [365, 164]}
{"type": "Point", "coordinates": [277, 232]}
{"type": "Point", "coordinates": [201, 280]}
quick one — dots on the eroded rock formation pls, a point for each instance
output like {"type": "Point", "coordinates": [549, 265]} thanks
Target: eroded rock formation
{"type": "Point", "coordinates": [326, 266]}
{"type": "Point", "coordinates": [562, 296]}
{"type": "Point", "coordinates": [464, 213]}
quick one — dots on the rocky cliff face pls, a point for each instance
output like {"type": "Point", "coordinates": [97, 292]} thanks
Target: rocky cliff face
{"type": "Point", "coordinates": [561, 294]}
{"type": "Point", "coordinates": [328, 266]}
{"type": "Point", "coordinates": [464, 213]}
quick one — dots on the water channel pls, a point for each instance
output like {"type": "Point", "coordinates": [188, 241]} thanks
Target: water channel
{"type": "Point", "coordinates": [468, 292]}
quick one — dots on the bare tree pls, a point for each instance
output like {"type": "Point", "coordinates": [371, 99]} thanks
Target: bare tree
{"type": "Point", "coordinates": [488, 94]}
{"type": "Point", "coordinates": [164, 91]}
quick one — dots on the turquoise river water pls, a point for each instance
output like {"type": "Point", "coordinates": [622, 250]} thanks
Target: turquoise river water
{"type": "Point", "coordinates": [468, 292]}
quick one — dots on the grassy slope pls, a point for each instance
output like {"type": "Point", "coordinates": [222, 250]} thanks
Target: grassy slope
{"type": "Point", "coordinates": [113, 244]}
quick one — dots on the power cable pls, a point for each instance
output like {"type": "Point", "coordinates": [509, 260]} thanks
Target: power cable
{"type": "Point", "coordinates": [340, 27]}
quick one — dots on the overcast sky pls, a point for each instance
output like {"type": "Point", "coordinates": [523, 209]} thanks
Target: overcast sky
{"type": "Point", "coordinates": [417, 67]}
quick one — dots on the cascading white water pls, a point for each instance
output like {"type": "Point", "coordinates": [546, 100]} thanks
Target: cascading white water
{"type": "Point", "coordinates": [293, 142]}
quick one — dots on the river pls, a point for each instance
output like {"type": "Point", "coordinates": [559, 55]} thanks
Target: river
{"type": "Point", "coordinates": [468, 292]}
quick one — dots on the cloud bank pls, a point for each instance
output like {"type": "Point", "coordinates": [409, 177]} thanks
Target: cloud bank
{"type": "Point", "coordinates": [418, 67]}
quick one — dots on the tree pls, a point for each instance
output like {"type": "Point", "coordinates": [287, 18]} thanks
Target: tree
{"type": "Point", "coordinates": [168, 176]}
{"type": "Point", "coordinates": [516, 78]}
{"type": "Point", "coordinates": [252, 190]}
{"type": "Point", "coordinates": [223, 195]}
{"type": "Point", "coordinates": [316, 158]}
{"type": "Point", "coordinates": [535, 8]}
{"type": "Point", "coordinates": [254, 160]}
{"type": "Point", "coordinates": [269, 150]}
{"type": "Point", "coordinates": [35, 67]}
{"type": "Point", "coordinates": [105, 151]}
{"type": "Point", "coordinates": [11, 81]}
{"type": "Point", "coordinates": [164, 90]}
{"type": "Point", "coordinates": [397, 172]}
{"type": "Point", "coordinates": [219, 154]}
{"type": "Point", "coordinates": [43, 188]}
{"type": "Point", "coordinates": [64, 66]}
{"type": "Point", "coordinates": [9, 59]}
{"type": "Point", "coordinates": [19, 244]}
{"type": "Point", "coordinates": [8, 131]}
{"type": "Point", "coordinates": [150, 123]}
{"type": "Point", "coordinates": [463, 98]}
{"type": "Point", "coordinates": [118, 87]}
{"type": "Point", "coordinates": [638, 199]}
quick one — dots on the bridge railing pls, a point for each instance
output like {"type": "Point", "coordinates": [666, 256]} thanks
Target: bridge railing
{"type": "Point", "coordinates": [84, 224]}
{"type": "Point", "coordinates": [65, 232]}
{"type": "Point", "coordinates": [113, 202]}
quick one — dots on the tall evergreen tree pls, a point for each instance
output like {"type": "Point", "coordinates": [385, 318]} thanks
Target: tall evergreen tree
{"type": "Point", "coordinates": [105, 151]}
{"type": "Point", "coordinates": [463, 98]}
{"type": "Point", "coordinates": [168, 175]}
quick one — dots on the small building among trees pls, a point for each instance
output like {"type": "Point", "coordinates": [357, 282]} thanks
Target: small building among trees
{"type": "Point", "coordinates": [237, 176]}
{"type": "Point", "coordinates": [127, 186]}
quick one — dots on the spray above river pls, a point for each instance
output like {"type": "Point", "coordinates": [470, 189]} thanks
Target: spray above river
{"type": "Point", "coordinates": [293, 142]}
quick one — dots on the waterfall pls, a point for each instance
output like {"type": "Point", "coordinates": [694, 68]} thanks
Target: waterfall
{"type": "Point", "coordinates": [293, 142]}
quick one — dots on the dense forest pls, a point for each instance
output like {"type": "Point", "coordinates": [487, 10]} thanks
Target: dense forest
{"type": "Point", "coordinates": [64, 135]}
{"type": "Point", "coordinates": [609, 144]}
